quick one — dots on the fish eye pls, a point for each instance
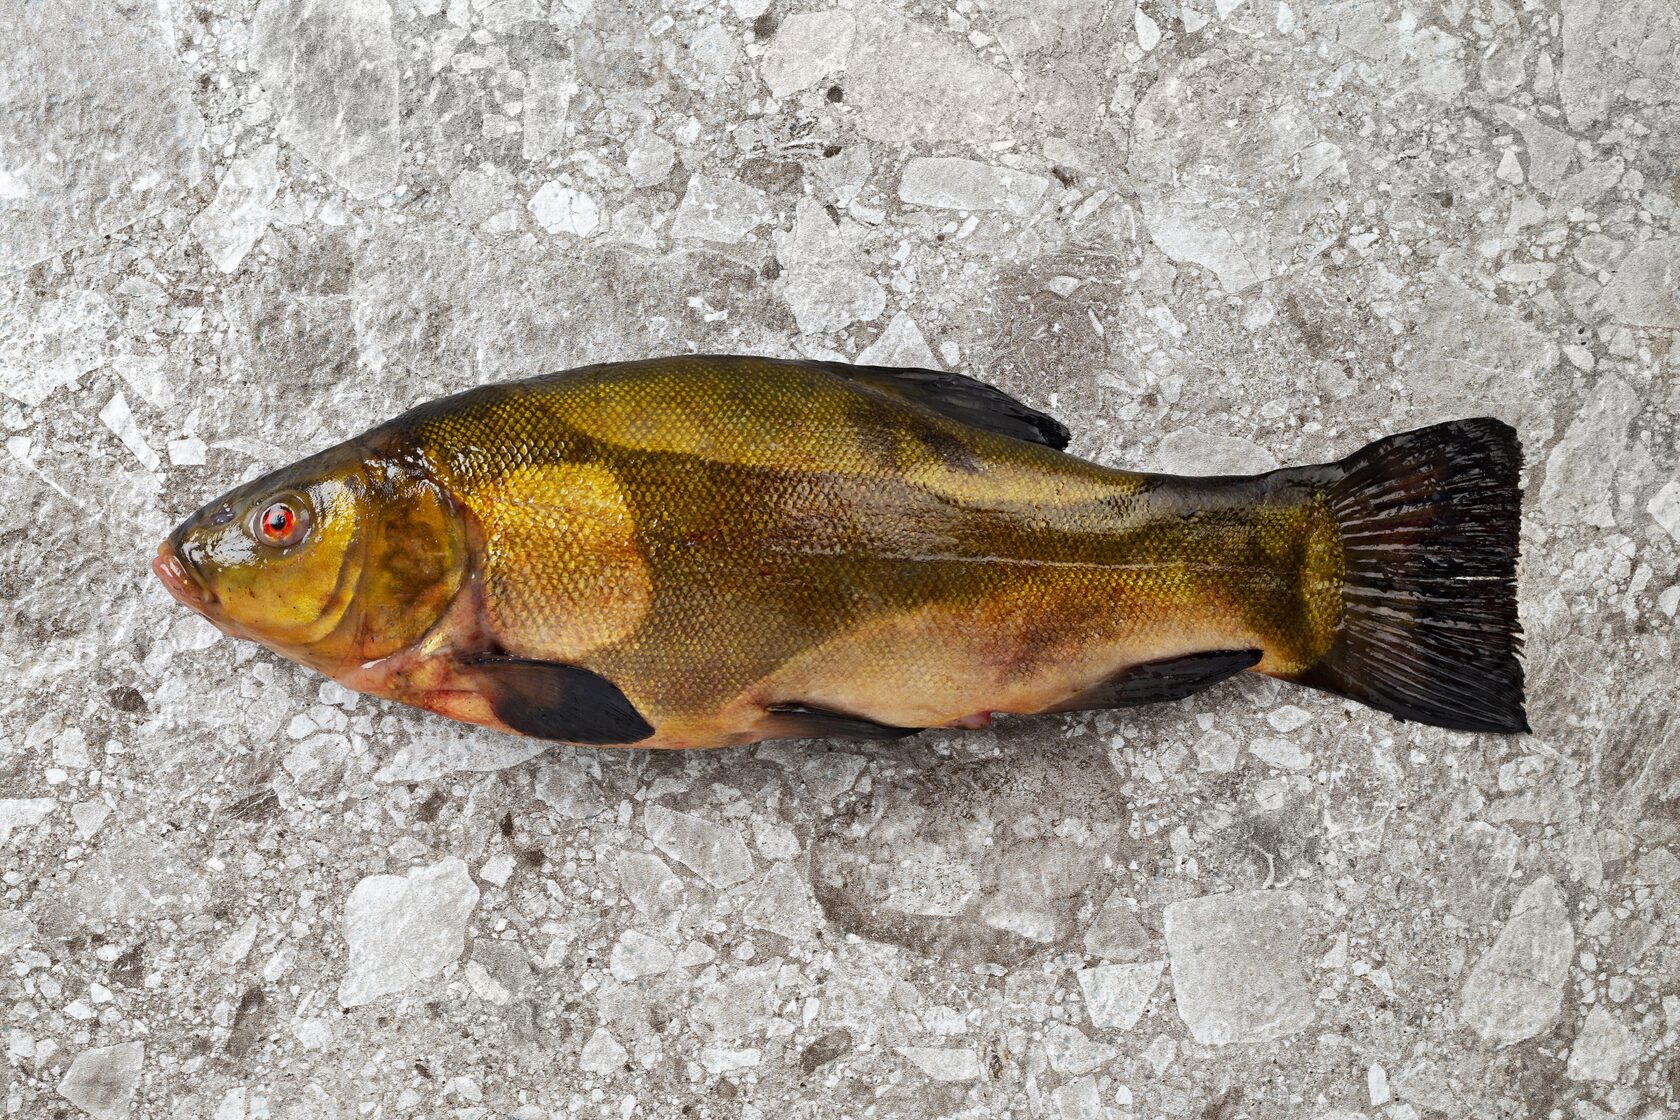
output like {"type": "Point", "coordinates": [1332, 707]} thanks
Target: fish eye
{"type": "Point", "coordinates": [282, 523]}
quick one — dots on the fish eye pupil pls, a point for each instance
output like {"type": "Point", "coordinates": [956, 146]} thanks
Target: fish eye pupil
{"type": "Point", "coordinates": [279, 523]}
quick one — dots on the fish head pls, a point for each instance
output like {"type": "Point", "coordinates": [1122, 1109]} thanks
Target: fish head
{"type": "Point", "coordinates": [335, 561]}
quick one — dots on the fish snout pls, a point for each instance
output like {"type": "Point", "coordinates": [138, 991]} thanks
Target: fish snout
{"type": "Point", "coordinates": [172, 571]}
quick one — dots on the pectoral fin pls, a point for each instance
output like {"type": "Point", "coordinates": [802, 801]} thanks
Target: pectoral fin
{"type": "Point", "coordinates": [802, 721]}
{"type": "Point", "coordinates": [550, 700]}
{"type": "Point", "coordinates": [960, 398]}
{"type": "Point", "coordinates": [1157, 681]}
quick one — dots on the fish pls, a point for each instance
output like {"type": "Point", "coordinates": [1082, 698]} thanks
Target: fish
{"type": "Point", "coordinates": [707, 551]}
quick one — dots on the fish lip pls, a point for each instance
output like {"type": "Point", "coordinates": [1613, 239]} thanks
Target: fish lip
{"type": "Point", "coordinates": [176, 574]}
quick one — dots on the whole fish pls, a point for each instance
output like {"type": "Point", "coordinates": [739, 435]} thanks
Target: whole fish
{"type": "Point", "coordinates": [705, 551]}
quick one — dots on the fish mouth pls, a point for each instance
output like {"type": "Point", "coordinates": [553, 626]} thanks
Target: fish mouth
{"type": "Point", "coordinates": [174, 572]}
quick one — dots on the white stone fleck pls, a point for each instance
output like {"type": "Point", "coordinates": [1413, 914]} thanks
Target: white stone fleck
{"type": "Point", "coordinates": [649, 884]}
{"type": "Point", "coordinates": [1515, 989]}
{"type": "Point", "coordinates": [715, 852]}
{"type": "Point", "coordinates": [558, 208]}
{"type": "Point", "coordinates": [1148, 31]}
{"type": "Point", "coordinates": [784, 905]}
{"type": "Point", "coordinates": [1280, 753]}
{"type": "Point", "coordinates": [1645, 289]}
{"type": "Point", "coordinates": [602, 1053]}
{"type": "Point", "coordinates": [497, 869]}
{"type": "Point", "coordinates": [238, 944]}
{"type": "Point", "coordinates": [89, 817]}
{"type": "Point", "coordinates": [1288, 718]}
{"type": "Point", "coordinates": [1603, 1048]}
{"type": "Point", "coordinates": [102, 1081]}
{"type": "Point", "coordinates": [404, 929]}
{"type": "Point", "coordinates": [723, 1059]}
{"type": "Point", "coordinates": [827, 774]}
{"type": "Point", "coordinates": [1216, 752]}
{"type": "Point", "coordinates": [1236, 965]}
{"type": "Point", "coordinates": [887, 85]}
{"type": "Point", "coordinates": [720, 210]}
{"type": "Point", "coordinates": [1665, 508]}
{"type": "Point", "coordinates": [965, 184]}
{"type": "Point", "coordinates": [23, 813]}
{"type": "Point", "coordinates": [117, 417]}
{"type": "Point", "coordinates": [1581, 469]}
{"type": "Point", "coordinates": [1070, 1051]}
{"type": "Point", "coordinates": [568, 786]}
{"type": "Point", "coordinates": [1117, 994]}
{"type": "Point", "coordinates": [807, 47]}
{"type": "Point", "coordinates": [330, 67]}
{"type": "Point", "coordinates": [943, 1064]}
{"type": "Point", "coordinates": [649, 159]}
{"type": "Point", "coordinates": [239, 214]}
{"type": "Point", "coordinates": [186, 452]}
{"type": "Point", "coordinates": [636, 955]}
{"type": "Point", "coordinates": [824, 288]}
{"type": "Point", "coordinates": [549, 90]}
{"type": "Point", "coordinates": [1376, 1084]}
{"type": "Point", "coordinates": [901, 344]}
{"type": "Point", "coordinates": [1191, 451]}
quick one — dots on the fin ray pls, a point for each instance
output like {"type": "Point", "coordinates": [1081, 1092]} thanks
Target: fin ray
{"type": "Point", "coordinates": [1429, 523]}
{"type": "Point", "coordinates": [1154, 682]}
{"type": "Point", "coordinates": [959, 397]}
{"type": "Point", "coordinates": [807, 721]}
{"type": "Point", "coordinates": [552, 700]}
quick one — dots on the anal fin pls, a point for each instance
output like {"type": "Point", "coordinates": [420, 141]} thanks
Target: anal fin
{"type": "Point", "coordinates": [552, 700]}
{"type": "Point", "coordinates": [805, 721]}
{"type": "Point", "coordinates": [1155, 682]}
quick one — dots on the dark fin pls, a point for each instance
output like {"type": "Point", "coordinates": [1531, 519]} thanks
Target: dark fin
{"type": "Point", "coordinates": [962, 399]}
{"type": "Point", "coordinates": [1429, 522]}
{"type": "Point", "coordinates": [1154, 682]}
{"type": "Point", "coordinates": [802, 721]}
{"type": "Point", "coordinates": [549, 700]}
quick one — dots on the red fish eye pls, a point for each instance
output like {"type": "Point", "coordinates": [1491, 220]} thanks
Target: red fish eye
{"type": "Point", "coordinates": [279, 524]}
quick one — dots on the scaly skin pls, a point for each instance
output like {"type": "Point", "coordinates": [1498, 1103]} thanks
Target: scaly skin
{"type": "Point", "coordinates": [716, 535]}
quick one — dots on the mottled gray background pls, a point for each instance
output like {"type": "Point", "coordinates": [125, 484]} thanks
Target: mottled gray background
{"type": "Point", "coordinates": [1209, 234]}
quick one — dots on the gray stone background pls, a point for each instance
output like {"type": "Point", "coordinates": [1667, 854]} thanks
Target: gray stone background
{"type": "Point", "coordinates": [1209, 234]}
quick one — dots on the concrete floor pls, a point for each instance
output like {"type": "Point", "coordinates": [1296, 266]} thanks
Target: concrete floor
{"type": "Point", "coordinates": [1210, 235]}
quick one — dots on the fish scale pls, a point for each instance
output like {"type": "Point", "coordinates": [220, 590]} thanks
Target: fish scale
{"type": "Point", "coordinates": [701, 551]}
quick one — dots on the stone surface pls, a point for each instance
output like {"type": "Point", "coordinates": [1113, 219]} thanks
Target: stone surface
{"type": "Point", "coordinates": [101, 130]}
{"type": "Point", "coordinates": [966, 184]}
{"type": "Point", "coordinates": [808, 47]}
{"type": "Point", "coordinates": [1603, 1048]}
{"type": "Point", "coordinates": [1117, 994]}
{"type": "Point", "coordinates": [719, 210]}
{"type": "Point", "coordinates": [102, 1081]}
{"type": "Point", "coordinates": [713, 851]}
{"type": "Point", "coordinates": [402, 930]}
{"type": "Point", "coordinates": [1236, 965]}
{"type": "Point", "coordinates": [239, 214]}
{"type": "Point", "coordinates": [1211, 236]}
{"type": "Point", "coordinates": [330, 68]}
{"type": "Point", "coordinates": [1515, 989]}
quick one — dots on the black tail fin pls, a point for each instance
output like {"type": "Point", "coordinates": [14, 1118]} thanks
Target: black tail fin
{"type": "Point", "coordinates": [1429, 632]}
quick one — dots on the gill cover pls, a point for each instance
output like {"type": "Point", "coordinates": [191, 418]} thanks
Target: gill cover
{"type": "Point", "coordinates": [381, 556]}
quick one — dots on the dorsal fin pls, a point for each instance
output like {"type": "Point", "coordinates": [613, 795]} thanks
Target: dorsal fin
{"type": "Point", "coordinates": [960, 398]}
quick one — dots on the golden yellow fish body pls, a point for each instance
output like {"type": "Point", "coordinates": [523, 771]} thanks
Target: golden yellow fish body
{"type": "Point", "coordinates": [728, 549]}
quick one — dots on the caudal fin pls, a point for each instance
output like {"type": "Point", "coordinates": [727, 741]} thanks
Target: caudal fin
{"type": "Point", "coordinates": [1429, 522]}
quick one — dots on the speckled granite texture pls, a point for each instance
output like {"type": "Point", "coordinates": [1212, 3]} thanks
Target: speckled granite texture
{"type": "Point", "coordinates": [1211, 235]}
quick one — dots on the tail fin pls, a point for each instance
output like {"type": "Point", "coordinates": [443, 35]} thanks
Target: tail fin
{"type": "Point", "coordinates": [1429, 522]}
